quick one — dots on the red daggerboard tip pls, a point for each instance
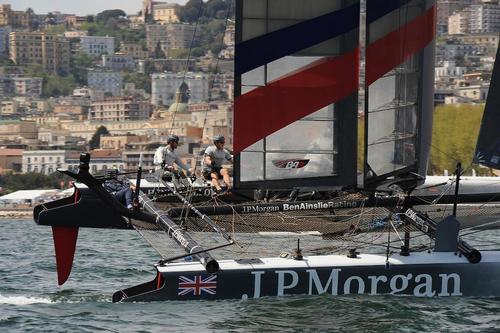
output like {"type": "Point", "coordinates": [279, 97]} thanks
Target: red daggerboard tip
{"type": "Point", "coordinates": [64, 245]}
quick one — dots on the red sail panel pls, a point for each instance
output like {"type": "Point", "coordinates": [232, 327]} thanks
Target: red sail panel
{"type": "Point", "coordinates": [267, 109]}
{"type": "Point", "coordinates": [394, 48]}
{"type": "Point", "coordinates": [64, 245]}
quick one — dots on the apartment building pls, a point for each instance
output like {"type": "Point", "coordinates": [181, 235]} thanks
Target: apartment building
{"type": "Point", "coordinates": [134, 50]}
{"type": "Point", "coordinates": [156, 34]}
{"type": "Point", "coordinates": [105, 80]}
{"type": "Point", "coordinates": [165, 85]}
{"type": "Point", "coordinates": [119, 109]}
{"type": "Point", "coordinates": [97, 45]}
{"type": "Point", "coordinates": [75, 34]}
{"type": "Point", "coordinates": [117, 61]}
{"type": "Point", "coordinates": [132, 155]}
{"type": "Point", "coordinates": [18, 129]}
{"type": "Point", "coordinates": [16, 19]}
{"type": "Point", "coordinates": [119, 141]}
{"type": "Point", "coordinates": [101, 160]}
{"type": "Point", "coordinates": [4, 39]}
{"type": "Point", "coordinates": [28, 86]}
{"type": "Point", "coordinates": [8, 108]}
{"type": "Point", "coordinates": [43, 161]}
{"type": "Point", "coordinates": [485, 18]}
{"type": "Point", "coordinates": [180, 36]}
{"type": "Point", "coordinates": [458, 23]}
{"type": "Point", "coordinates": [50, 51]}
{"type": "Point", "coordinates": [229, 35]}
{"type": "Point", "coordinates": [11, 160]}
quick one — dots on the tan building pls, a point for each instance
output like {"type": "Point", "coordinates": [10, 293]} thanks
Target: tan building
{"type": "Point", "coordinates": [458, 23]}
{"type": "Point", "coordinates": [119, 141]}
{"type": "Point", "coordinates": [76, 110]}
{"type": "Point", "coordinates": [487, 40]}
{"type": "Point", "coordinates": [474, 92]}
{"type": "Point", "coordinates": [120, 109]}
{"type": "Point", "coordinates": [134, 50]}
{"type": "Point", "coordinates": [132, 155]}
{"type": "Point", "coordinates": [165, 13]}
{"type": "Point", "coordinates": [11, 160]}
{"type": "Point", "coordinates": [16, 19]}
{"type": "Point", "coordinates": [16, 129]}
{"type": "Point", "coordinates": [50, 51]}
{"type": "Point", "coordinates": [8, 107]}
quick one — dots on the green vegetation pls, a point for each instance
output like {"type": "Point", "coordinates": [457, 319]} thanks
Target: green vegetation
{"type": "Point", "coordinates": [454, 137]}
{"type": "Point", "coordinates": [212, 9]}
{"type": "Point", "coordinates": [30, 181]}
{"type": "Point", "coordinates": [141, 81]}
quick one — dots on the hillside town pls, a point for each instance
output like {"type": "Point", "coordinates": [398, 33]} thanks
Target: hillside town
{"type": "Point", "coordinates": [117, 84]}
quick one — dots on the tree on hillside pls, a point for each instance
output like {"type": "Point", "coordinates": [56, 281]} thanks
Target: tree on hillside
{"type": "Point", "coordinates": [79, 64]}
{"type": "Point", "coordinates": [158, 54]}
{"type": "Point", "coordinates": [216, 8]}
{"type": "Point", "coordinates": [104, 16]}
{"type": "Point", "coordinates": [191, 10]}
{"type": "Point", "coordinates": [95, 141]}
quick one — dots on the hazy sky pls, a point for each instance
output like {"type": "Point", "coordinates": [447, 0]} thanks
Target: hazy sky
{"type": "Point", "coordinates": [79, 7]}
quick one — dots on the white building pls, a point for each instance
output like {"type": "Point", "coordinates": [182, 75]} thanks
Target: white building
{"type": "Point", "coordinates": [165, 85]}
{"type": "Point", "coordinates": [107, 81]}
{"type": "Point", "coordinates": [485, 18]}
{"type": "Point", "coordinates": [449, 69]}
{"type": "Point", "coordinates": [43, 161]}
{"type": "Point", "coordinates": [75, 34]}
{"type": "Point", "coordinates": [97, 45]}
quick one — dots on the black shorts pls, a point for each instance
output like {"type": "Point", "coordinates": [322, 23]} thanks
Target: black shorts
{"type": "Point", "coordinates": [207, 173]}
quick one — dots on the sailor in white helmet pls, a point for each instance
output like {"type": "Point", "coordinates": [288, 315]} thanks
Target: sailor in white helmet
{"type": "Point", "coordinates": [212, 163]}
{"type": "Point", "coordinates": [166, 158]}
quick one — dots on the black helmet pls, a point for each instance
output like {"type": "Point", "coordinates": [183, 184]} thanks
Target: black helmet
{"type": "Point", "coordinates": [173, 138]}
{"type": "Point", "coordinates": [219, 138]}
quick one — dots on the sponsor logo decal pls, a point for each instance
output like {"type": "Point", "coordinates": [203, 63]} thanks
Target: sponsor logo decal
{"type": "Point", "coordinates": [290, 164]}
{"type": "Point", "coordinates": [336, 283]}
{"type": "Point", "coordinates": [197, 285]}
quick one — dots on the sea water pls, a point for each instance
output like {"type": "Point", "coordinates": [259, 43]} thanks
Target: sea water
{"type": "Point", "coordinates": [106, 261]}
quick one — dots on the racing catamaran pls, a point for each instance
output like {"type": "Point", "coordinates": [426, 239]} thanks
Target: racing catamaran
{"type": "Point", "coordinates": [297, 79]}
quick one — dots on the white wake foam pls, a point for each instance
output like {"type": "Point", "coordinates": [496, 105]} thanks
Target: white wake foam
{"type": "Point", "coordinates": [22, 300]}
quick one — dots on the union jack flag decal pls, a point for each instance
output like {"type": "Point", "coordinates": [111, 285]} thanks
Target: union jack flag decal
{"type": "Point", "coordinates": [197, 284]}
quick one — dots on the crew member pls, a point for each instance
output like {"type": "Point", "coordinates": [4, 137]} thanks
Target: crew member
{"type": "Point", "coordinates": [122, 191]}
{"type": "Point", "coordinates": [212, 163]}
{"type": "Point", "coordinates": [165, 157]}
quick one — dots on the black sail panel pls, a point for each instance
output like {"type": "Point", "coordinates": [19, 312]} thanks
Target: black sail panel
{"type": "Point", "coordinates": [488, 143]}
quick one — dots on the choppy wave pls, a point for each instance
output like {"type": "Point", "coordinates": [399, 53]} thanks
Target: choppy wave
{"type": "Point", "coordinates": [23, 300]}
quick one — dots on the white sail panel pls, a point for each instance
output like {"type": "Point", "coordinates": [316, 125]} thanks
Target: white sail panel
{"type": "Point", "coordinates": [399, 78]}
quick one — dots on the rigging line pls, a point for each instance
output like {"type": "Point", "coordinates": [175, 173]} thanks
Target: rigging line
{"type": "Point", "coordinates": [200, 11]}
{"type": "Point", "coordinates": [229, 8]}
{"type": "Point", "coordinates": [479, 230]}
